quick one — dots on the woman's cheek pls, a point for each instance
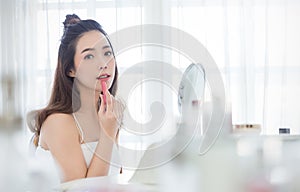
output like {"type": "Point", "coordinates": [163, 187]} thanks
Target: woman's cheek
{"type": "Point", "coordinates": [87, 76]}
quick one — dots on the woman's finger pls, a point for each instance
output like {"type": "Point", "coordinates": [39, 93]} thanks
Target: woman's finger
{"type": "Point", "coordinates": [102, 105]}
{"type": "Point", "coordinates": [118, 110]}
{"type": "Point", "coordinates": [109, 103]}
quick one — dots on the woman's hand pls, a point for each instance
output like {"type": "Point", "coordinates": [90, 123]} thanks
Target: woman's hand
{"type": "Point", "coordinates": [109, 115]}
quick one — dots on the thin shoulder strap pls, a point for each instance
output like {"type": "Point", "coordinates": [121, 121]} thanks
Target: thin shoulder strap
{"type": "Point", "coordinates": [78, 127]}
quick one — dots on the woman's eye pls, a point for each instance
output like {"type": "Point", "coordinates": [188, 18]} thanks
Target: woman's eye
{"type": "Point", "coordinates": [108, 53]}
{"type": "Point", "coordinates": [89, 57]}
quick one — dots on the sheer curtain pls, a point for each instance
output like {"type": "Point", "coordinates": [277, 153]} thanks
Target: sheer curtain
{"type": "Point", "coordinates": [255, 44]}
{"type": "Point", "coordinates": [17, 51]}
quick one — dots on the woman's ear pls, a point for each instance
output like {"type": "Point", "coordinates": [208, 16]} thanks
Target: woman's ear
{"type": "Point", "coordinates": [72, 73]}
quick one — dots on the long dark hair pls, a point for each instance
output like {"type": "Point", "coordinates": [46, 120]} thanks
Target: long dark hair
{"type": "Point", "coordinates": [65, 98]}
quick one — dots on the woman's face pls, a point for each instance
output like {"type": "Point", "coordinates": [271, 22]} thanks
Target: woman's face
{"type": "Point", "coordinates": [94, 61]}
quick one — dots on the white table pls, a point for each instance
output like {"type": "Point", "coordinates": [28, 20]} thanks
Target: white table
{"type": "Point", "coordinates": [115, 183]}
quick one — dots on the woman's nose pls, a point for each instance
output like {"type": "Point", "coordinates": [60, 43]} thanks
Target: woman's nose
{"type": "Point", "coordinates": [101, 67]}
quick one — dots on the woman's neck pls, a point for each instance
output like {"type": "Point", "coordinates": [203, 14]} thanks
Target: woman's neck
{"type": "Point", "coordinates": [88, 100]}
{"type": "Point", "coordinates": [87, 114]}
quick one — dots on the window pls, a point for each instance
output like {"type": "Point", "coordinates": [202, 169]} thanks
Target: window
{"type": "Point", "coordinates": [254, 43]}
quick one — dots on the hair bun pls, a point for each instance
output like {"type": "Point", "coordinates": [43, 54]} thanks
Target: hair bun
{"type": "Point", "coordinates": [71, 20]}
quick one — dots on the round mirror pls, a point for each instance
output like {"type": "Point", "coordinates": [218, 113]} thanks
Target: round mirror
{"type": "Point", "coordinates": [191, 88]}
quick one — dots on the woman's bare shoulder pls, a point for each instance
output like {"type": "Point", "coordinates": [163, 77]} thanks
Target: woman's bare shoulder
{"type": "Point", "coordinates": [57, 120]}
{"type": "Point", "coordinates": [58, 126]}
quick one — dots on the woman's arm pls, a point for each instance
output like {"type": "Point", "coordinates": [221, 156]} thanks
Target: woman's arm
{"type": "Point", "coordinates": [60, 135]}
{"type": "Point", "coordinates": [108, 131]}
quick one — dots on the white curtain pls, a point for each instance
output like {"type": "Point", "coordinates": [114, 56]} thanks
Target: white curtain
{"type": "Point", "coordinates": [17, 56]}
{"type": "Point", "coordinates": [255, 43]}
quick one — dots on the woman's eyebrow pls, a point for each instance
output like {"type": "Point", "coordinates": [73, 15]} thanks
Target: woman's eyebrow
{"type": "Point", "coordinates": [93, 49]}
{"type": "Point", "coordinates": [88, 49]}
{"type": "Point", "coordinates": [105, 47]}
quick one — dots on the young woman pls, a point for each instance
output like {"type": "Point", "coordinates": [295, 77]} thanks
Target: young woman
{"type": "Point", "coordinates": [80, 124]}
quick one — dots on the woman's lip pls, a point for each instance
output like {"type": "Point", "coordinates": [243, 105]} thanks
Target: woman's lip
{"type": "Point", "coordinates": [103, 79]}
